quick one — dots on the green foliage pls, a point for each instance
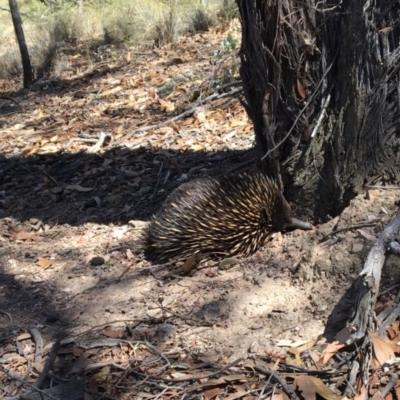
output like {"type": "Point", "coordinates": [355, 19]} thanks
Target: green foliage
{"type": "Point", "coordinates": [229, 43]}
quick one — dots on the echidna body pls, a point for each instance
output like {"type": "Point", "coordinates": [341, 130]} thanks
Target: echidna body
{"type": "Point", "coordinates": [224, 215]}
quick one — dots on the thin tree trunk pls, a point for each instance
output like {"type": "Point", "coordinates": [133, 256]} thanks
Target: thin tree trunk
{"type": "Point", "coordinates": [26, 62]}
{"type": "Point", "coordinates": [321, 80]}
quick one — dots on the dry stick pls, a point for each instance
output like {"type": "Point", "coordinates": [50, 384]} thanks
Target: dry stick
{"type": "Point", "coordinates": [389, 315]}
{"type": "Point", "coordinates": [196, 378]}
{"type": "Point", "coordinates": [37, 337]}
{"type": "Point", "coordinates": [347, 228]}
{"type": "Point", "coordinates": [48, 365]}
{"type": "Point", "coordinates": [383, 187]}
{"type": "Point", "coordinates": [8, 315]}
{"type": "Point", "coordinates": [370, 278]}
{"type": "Point", "coordinates": [274, 375]}
{"type": "Point", "coordinates": [44, 172]}
{"type": "Point", "coordinates": [389, 386]}
{"type": "Point", "coordinates": [321, 116]}
{"type": "Point", "coordinates": [12, 100]}
{"type": "Point", "coordinates": [300, 113]}
{"type": "Point", "coordinates": [183, 318]}
{"type": "Point", "coordinates": [389, 320]}
{"type": "Point", "coordinates": [102, 137]}
{"type": "Point", "coordinates": [184, 114]}
{"type": "Point", "coordinates": [45, 395]}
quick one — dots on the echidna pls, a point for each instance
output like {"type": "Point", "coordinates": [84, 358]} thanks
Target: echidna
{"type": "Point", "coordinates": [224, 215]}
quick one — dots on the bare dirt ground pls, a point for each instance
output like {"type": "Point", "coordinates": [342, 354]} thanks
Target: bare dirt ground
{"type": "Point", "coordinates": [71, 264]}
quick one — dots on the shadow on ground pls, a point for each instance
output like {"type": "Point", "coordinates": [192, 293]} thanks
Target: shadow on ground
{"type": "Point", "coordinates": [116, 186]}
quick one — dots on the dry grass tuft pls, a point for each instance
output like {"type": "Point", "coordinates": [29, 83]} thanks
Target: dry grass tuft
{"type": "Point", "coordinates": [98, 23]}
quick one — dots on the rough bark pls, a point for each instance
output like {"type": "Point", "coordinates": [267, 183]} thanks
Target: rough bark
{"type": "Point", "coordinates": [322, 84]}
{"type": "Point", "coordinates": [23, 48]}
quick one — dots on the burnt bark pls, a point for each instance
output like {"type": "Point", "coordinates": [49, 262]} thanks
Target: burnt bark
{"type": "Point", "coordinates": [23, 48]}
{"type": "Point", "coordinates": [322, 85]}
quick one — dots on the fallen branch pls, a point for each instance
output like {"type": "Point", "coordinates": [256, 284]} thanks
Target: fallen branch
{"type": "Point", "coordinates": [275, 376]}
{"type": "Point", "coordinates": [48, 365]}
{"type": "Point", "coordinates": [187, 113]}
{"type": "Point", "coordinates": [364, 318]}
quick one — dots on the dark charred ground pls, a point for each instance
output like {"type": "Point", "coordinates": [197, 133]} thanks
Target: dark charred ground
{"type": "Point", "coordinates": [62, 211]}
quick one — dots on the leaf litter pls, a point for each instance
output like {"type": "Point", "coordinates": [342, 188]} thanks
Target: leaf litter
{"type": "Point", "coordinates": [81, 173]}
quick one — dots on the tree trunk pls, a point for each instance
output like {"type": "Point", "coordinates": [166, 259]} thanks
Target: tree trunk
{"type": "Point", "coordinates": [26, 62]}
{"type": "Point", "coordinates": [322, 85]}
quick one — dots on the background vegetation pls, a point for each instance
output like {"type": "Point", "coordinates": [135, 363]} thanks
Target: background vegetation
{"type": "Point", "coordinates": [96, 26]}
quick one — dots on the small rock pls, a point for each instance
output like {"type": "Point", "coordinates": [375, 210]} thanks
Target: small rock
{"type": "Point", "coordinates": [357, 248]}
{"type": "Point", "coordinates": [164, 331]}
{"type": "Point", "coordinates": [254, 347]}
{"type": "Point", "coordinates": [97, 261]}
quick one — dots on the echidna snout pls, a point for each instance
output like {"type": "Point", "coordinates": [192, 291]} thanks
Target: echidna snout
{"type": "Point", "coordinates": [224, 215]}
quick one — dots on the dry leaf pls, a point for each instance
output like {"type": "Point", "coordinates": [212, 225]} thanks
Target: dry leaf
{"type": "Point", "coordinates": [189, 264]}
{"type": "Point", "coordinates": [78, 188]}
{"type": "Point", "coordinates": [278, 395]}
{"type": "Point", "coordinates": [296, 360]}
{"type": "Point", "coordinates": [212, 393]}
{"type": "Point", "coordinates": [200, 115]}
{"type": "Point", "coordinates": [111, 91]}
{"type": "Point", "coordinates": [137, 223]}
{"type": "Point", "coordinates": [23, 235]}
{"type": "Point", "coordinates": [197, 147]}
{"type": "Point", "coordinates": [372, 194]}
{"type": "Point", "coordinates": [301, 90]}
{"type": "Point", "coordinates": [175, 127]}
{"type": "Point", "coordinates": [366, 235]}
{"type": "Point", "coordinates": [323, 390]}
{"type": "Point", "coordinates": [306, 387]}
{"type": "Point", "coordinates": [397, 390]}
{"type": "Point", "coordinates": [45, 263]}
{"type": "Point", "coordinates": [240, 392]}
{"type": "Point", "coordinates": [330, 351]}
{"type": "Point", "coordinates": [385, 31]}
{"type": "Point", "coordinates": [129, 254]}
{"type": "Point", "coordinates": [382, 350]}
{"type": "Point", "coordinates": [112, 334]}
{"type": "Point", "coordinates": [78, 366]}
{"type": "Point", "coordinates": [24, 336]}
{"type": "Point", "coordinates": [166, 105]}
{"type": "Point", "coordinates": [38, 367]}
{"type": "Point", "coordinates": [72, 316]}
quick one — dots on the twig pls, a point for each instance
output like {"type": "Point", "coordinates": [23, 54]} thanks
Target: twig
{"type": "Point", "coordinates": [85, 140]}
{"type": "Point", "coordinates": [158, 178]}
{"type": "Point", "coordinates": [12, 100]}
{"type": "Point", "coordinates": [274, 375]}
{"type": "Point", "coordinates": [383, 187]}
{"type": "Point", "coordinates": [50, 177]}
{"type": "Point", "coordinates": [197, 378]}
{"type": "Point", "coordinates": [184, 114]}
{"type": "Point", "coordinates": [300, 113]}
{"type": "Point", "coordinates": [369, 280]}
{"type": "Point", "coordinates": [8, 10]}
{"type": "Point", "coordinates": [157, 352]}
{"type": "Point", "coordinates": [389, 386]}
{"type": "Point", "coordinates": [347, 228]}
{"type": "Point", "coordinates": [183, 318]}
{"type": "Point", "coordinates": [102, 137]}
{"type": "Point", "coordinates": [26, 384]}
{"type": "Point", "coordinates": [8, 315]}
{"type": "Point", "coordinates": [48, 365]}
{"type": "Point", "coordinates": [321, 116]}
{"type": "Point", "coordinates": [37, 337]}
{"type": "Point", "coordinates": [388, 320]}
